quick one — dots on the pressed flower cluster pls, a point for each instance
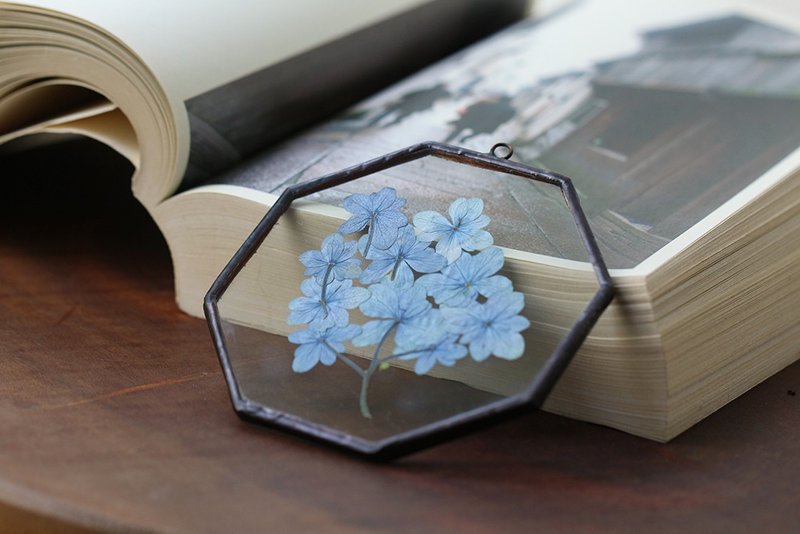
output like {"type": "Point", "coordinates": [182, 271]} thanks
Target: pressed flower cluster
{"type": "Point", "coordinates": [430, 289]}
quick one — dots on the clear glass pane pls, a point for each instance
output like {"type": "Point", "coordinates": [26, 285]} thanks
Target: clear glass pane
{"type": "Point", "coordinates": [401, 372]}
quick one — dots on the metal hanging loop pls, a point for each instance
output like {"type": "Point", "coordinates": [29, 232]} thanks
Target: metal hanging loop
{"type": "Point", "coordinates": [498, 148]}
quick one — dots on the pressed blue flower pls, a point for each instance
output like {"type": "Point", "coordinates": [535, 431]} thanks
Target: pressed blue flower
{"type": "Point", "coordinates": [406, 255]}
{"type": "Point", "coordinates": [334, 260]}
{"type": "Point", "coordinates": [492, 327]}
{"type": "Point", "coordinates": [320, 345]}
{"type": "Point", "coordinates": [463, 232]}
{"type": "Point", "coordinates": [380, 211]}
{"type": "Point", "coordinates": [331, 310]}
{"type": "Point", "coordinates": [461, 281]}
{"type": "Point", "coordinates": [393, 305]}
{"type": "Point", "coordinates": [430, 345]}
{"type": "Point", "coordinates": [445, 351]}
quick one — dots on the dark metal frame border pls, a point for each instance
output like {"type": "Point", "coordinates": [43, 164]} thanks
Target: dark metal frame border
{"type": "Point", "coordinates": [405, 443]}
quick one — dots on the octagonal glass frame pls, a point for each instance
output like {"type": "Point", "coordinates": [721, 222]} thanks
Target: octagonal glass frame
{"type": "Point", "coordinates": [531, 397]}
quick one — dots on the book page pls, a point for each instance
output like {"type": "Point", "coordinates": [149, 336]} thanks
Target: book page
{"type": "Point", "coordinates": [55, 106]}
{"type": "Point", "coordinates": [195, 46]}
{"type": "Point", "coordinates": [660, 114]}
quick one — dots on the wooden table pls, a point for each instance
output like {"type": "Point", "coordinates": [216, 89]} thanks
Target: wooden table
{"type": "Point", "coordinates": [114, 414]}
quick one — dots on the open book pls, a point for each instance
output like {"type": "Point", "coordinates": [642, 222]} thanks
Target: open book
{"type": "Point", "coordinates": [676, 121]}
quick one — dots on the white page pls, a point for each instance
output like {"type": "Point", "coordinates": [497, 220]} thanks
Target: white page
{"type": "Point", "coordinates": [195, 45]}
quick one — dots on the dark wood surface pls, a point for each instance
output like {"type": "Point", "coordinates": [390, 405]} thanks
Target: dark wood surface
{"type": "Point", "coordinates": [114, 414]}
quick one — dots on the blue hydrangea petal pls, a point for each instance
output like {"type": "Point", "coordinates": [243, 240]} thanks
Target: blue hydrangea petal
{"type": "Point", "coordinates": [319, 345]}
{"type": "Point", "coordinates": [431, 346]}
{"type": "Point", "coordinates": [343, 294]}
{"type": "Point", "coordinates": [449, 246]}
{"type": "Point", "coordinates": [348, 269]}
{"type": "Point", "coordinates": [458, 320]}
{"type": "Point", "coordinates": [347, 247]}
{"type": "Point", "coordinates": [447, 291]}
{"type": "Point", "coordinates": [353, 297]}
{"type": "Point", "coordinates": [467, 211]}
{"type": "Point", "coordinates": [481, 221]}
{"type": "Point", "coordinates": [505, 302]}
{"type": "Point", "coordinates": [386, 199]}
{"type": "Point", "coordinates": [431, 225]}
{"type": "Point", "coordinates": [385, 229]}
{"type": "Point", "coordinates": [300, 337]}
{"type": "Point", "coordinates": [404, 275]}
{"type": "Point", "coordinates": [481, 346]}
{"type": "Point", "coordinates": [403, 255]}
{"type": "Point", "coordinates": [451, 293]}
{"type": "Point", "coordinates": [336, 317]}
{"type": "Point", "coordinates": [354, 224]}
{"type": "Point", "coordinates": [340, 297]}
{"type": "Point", "coordinates": [459, 298]}
{"type": "Point", "coordinates": [458, 284]}
{"type": "Point", "coordinates": [492, 327]}
{"type": "Point", "coordinates": [472, 331]}
{"type": "Point", "coordinates": [375, 253]}
{"type": "Point", "coordinates": [400, 284]}
{"type": "Point", "coordinates": [462, 233]}
{"type": "Point", "coordinates": [486, 263]}
{"type": "Point", "coordinates": [413, 301]}
{"type": "Point", "coordinates": [430, 281]}
{"type": "Point", "coordinates": [492, 285]}
{"type": "Point", "coordinates": [477, 240]}
{"type": "Point", "coordinates": [331, 244]}
{"type": "Point", "coordinates": [426, 329]}
{"type": "Point", "coordinates": [425, 260]}
{"type": "Point", "coordinates": [310, 288]}
{"type": "Point", "coordinates": [335, 247]}
{"type": "Point", "coordinates": [515, 323]}
{"type": "Point", "coordinates": [392, 219]}
{"type": "Point", "coordinates": [335, 345]}
{"type": "Point", "coordinates": [305, 357]}
{"type": "Point", "coordinates": [448, 352]}
{"type": "Point", "coordinates": [327, 354]}
{"type": "Point", "coordinates": [312, 258]}
{"type": "Point", "coordinates": [372, 332]}
{"type": "Point", "coordinates": [425, 363]}
{"type": "Point", "coordinates": [407, 332]}
{"type": "Point", "coordinates": [380, 210]}
{"type": "Point", "coordinates": [452, 353]}
{"type": "Point", "coordinates": [296, 317]}
{"type": "Point", "coordinates": [377, 269]}
{"type": "Point", "coordinates": [382, 301]}
{"type": "Point", "coordinates": [315, 263]}
{"type": "Point", "coordinates": [373, 276]}
{"type": "Point", "coordinates": [509, 346]}
{"type": "Point", "coordinates": [406, 239]}
{"type": "Point", "coordinates": [358, 204]}
{"type": "Point", "coordinates": [336, 255]}
{"type": "Point", "coordinates": [305, 310]}
{"type": "Point", "coordinates": [402, 303]}
{"type": "Point", "coordinates": [338, 335]}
